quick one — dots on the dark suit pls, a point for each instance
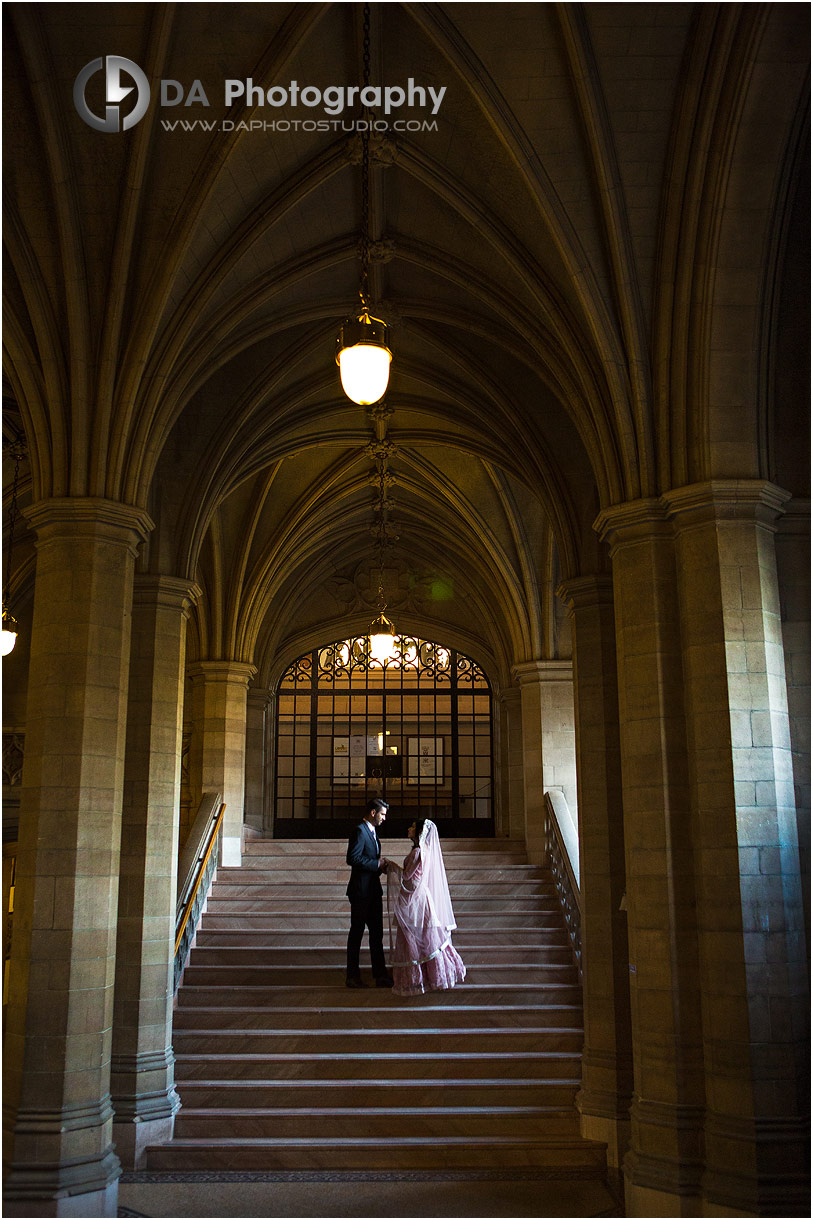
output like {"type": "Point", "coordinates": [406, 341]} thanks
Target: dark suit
{"type": "Point", "coordinates": [365, 894]}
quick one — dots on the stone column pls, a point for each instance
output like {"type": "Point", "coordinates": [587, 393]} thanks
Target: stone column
{"type": "Point", "coordinates": [257, 726]}
{"type": "Point", "coordinates": [217, 755]}
{"type": "Point", "coordinates": [60, 1014]}
{"type": "Point", "coordinates": [142, 1072]}
{"type": "Point", "coordinates": [511, 785]}
{"type": "Point", "coordinates": [793, 570]}
{"type": "Point", "coordinates": [548, 745]}
{"type": "Point", "coordinates": [751, 937]}
{"type": "Point", "coordinates": [606, 1092]}
{"type": "Point", "coordinates": [664, 1163]}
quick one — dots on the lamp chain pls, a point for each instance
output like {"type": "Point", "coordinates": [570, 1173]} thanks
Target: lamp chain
{"type": "Point", "coordinates": [364, 291]}
{"type": "Point", "coordinates": [17, 454]}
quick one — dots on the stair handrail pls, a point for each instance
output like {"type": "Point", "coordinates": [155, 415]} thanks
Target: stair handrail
{"type": "Point", "coordinates": [207, 834]}
{"type": "Point", "coordinates": [567, 887]}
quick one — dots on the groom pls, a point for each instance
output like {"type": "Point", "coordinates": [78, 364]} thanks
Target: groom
{"type": "Point", "coordinates": [364, 892]}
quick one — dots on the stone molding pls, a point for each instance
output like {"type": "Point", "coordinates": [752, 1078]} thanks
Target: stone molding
{"type": "Point", "coordinates": [543, 671]}
{"type": "Point", "coordinates": [715, 500]}
{"type": "Point", "coordinates": [604, 1103]}
{"type": "Point", "coordinates": [628, 523]}
{"type": "Point", "coordinates": [509, 695]}
{"type": "Point", "coordinates": [89, 517]}
{"type": "Point", "coordinates": [66, 1118]}
{"type": "Point", "coordinates": [168, 592]}
{"type": "Point", "coordinates": [583, 592]}
{"type": "Point", "coordinates": [234, 672]}
{"type": "Point", "coordinates": [78, 1176]}
{"type": "Point", "coordinates": [796, 517]}
{"type": "Point", "coordinates": [146, 1105]}
{"type": "Point", "coordinates": [143, 1061]}
{"type": "Point", "coordinates": [260, 696]}
{"type": "Point", "coordinates": [672, 1174]}
{"type": "Point", "coordinates": [726, 500]}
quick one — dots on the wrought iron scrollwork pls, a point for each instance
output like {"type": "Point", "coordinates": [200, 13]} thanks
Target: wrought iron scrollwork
{"type": "Point", "coordinates": [564, 886]}
{"type": "Point", "coordinates": [13, 753]}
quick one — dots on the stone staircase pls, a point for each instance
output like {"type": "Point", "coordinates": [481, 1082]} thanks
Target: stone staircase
{"type": "Point", "coordinates": [280, 1067]}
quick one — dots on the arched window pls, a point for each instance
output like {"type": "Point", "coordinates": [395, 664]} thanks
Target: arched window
{"type": "Point", "coordinates": [415, 730]}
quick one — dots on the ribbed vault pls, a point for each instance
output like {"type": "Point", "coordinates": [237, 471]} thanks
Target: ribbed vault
{"type": "Point", "coordinates": [173, 297]}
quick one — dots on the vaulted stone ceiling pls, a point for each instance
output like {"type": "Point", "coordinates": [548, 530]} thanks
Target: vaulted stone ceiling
{"type": "Point", "coordinates": [542, 259]}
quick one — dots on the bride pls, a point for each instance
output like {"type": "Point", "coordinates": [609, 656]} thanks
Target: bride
{"type": "Point", "coordinates": [424, 958]}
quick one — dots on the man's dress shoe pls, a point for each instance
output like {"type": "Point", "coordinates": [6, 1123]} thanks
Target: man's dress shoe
{"type": "Point", "coordinates": [354, 983]}
{"type": "Point", "coordinates": [385, 981]}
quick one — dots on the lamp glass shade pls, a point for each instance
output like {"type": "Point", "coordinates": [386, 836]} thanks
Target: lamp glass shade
{"type": "Point", "coordinates": [365, 371]}
{"type": "Point", "coordinates": [7, 641]}
{"type": "Point", "coordinates": [382, 646]}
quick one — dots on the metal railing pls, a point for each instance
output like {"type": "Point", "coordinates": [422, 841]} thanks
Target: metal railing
{"type": "Point", "coordinates": [199, 862]}
{"type": "Point", "coordinates": [564, 878]}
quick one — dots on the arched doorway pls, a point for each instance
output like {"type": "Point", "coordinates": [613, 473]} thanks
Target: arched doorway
{"type": "Point", "coordinates": [416, 729]}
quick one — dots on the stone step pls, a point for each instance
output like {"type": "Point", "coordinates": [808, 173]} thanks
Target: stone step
{"type": "Point", "coordinates": [478, 862]}
{"type": "Point", "coordinates": [388, 1040]}
{"type": "Point", "coordinates": [465, 940]}
{"type": "Point", "coordinates": [372, 1015]}
{"type": "Point", "coordinates": [299, 921]}
{"type": "Point", "coordinates": [360, 1094]}
{"type": "Point", "coordinates": [556, 1153]}
{"type": "Point", "coordinates": [462, 885]}
{"type": "Point", "coordinates": [338, 847]}
{"type": "Point", "coordinates": [396, 1121]}
{"type": "Point", "coordinates": [332, 974]}
{"type": "Point", "coordinates": [505, 1065]}
{"type": "Point", "coordinates": [337, 905]}
{"type": "Point", "coordinates": [485, 992]}
{"type": "Point", "coordinates": [268, 957]}
{"type": "Point", "coordinates": [279, 1066]}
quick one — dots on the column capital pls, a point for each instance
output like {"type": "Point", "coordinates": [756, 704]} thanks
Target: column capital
{"type": "Point", "coordinates": [262, 695]}
{"type": "Point", "coordinates": [631, 522]}
{"type": "Point", "coordinates": [585, 591]}
{"type": "Point", "coordinates": [89, 517]}
{"type": "Point", "coordinates": [726, 500]}
{"type": "Point", "coordinates": [543, 671]}
{"type": "Point", "coordinates": [796, 517]}
{"type": "Point", "coordinates": [170, 592]}
{"type": "Point", "coordinates": [235, 672]}
{"type": "Point", "coordinates": [509, 694]}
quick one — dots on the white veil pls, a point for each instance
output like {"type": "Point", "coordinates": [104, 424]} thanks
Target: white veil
{"type": "Point", "coordinates": [432, 889]}
{"type": "Point", "coordinates": [433, 878]}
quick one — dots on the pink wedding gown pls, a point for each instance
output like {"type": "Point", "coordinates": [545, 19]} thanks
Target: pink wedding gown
{"type": "Point", "coordinates": [424, 958]}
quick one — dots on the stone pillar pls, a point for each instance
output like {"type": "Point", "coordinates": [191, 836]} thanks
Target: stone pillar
{"type": "Point", "coordinates": [606, 1092]}
{"type": "Point", "coordinates": [511, 780]}
{"type": "Point", "coordinates": [258, 723]}
{"type": "Point", "coordinates": [142, 1071]}
{"type": "Point", "coordinates": [793, 570]}
{"type": "Point", "coordinates": [60, 1014]}
{"type": "Point", "coordinates": [753, 974]}
{"type": "Point", "coordinates": [217, 755]}
{"type": "Point", "coordinates": [664, 1163]}
{"type": "Point", "coordinates": [548, 745]}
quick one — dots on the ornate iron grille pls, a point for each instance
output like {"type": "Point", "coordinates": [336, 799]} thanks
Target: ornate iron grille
{"type": "Point", "coordinates": [415, 729]}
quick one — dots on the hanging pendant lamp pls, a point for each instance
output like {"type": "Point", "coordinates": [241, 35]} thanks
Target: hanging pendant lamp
{"type": "Point", "coordinates": [362, 353]}
{"type": "Point", "coordinates": [382, 638]}
{"type": "Point", "coordinates": [363, 358]}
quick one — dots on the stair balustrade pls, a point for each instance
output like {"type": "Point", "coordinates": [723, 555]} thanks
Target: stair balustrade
{"type": "Point", "coordinates": [567, 887]}
{"type": "Point", "coordinates": [198, 865]}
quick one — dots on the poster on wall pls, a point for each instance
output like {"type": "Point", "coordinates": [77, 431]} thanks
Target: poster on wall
{"type": "Point", "coordinates": [425, 760]}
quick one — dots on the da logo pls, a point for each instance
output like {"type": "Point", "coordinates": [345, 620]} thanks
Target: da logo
{"type": "Point", "coordinates": [114, 68]}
